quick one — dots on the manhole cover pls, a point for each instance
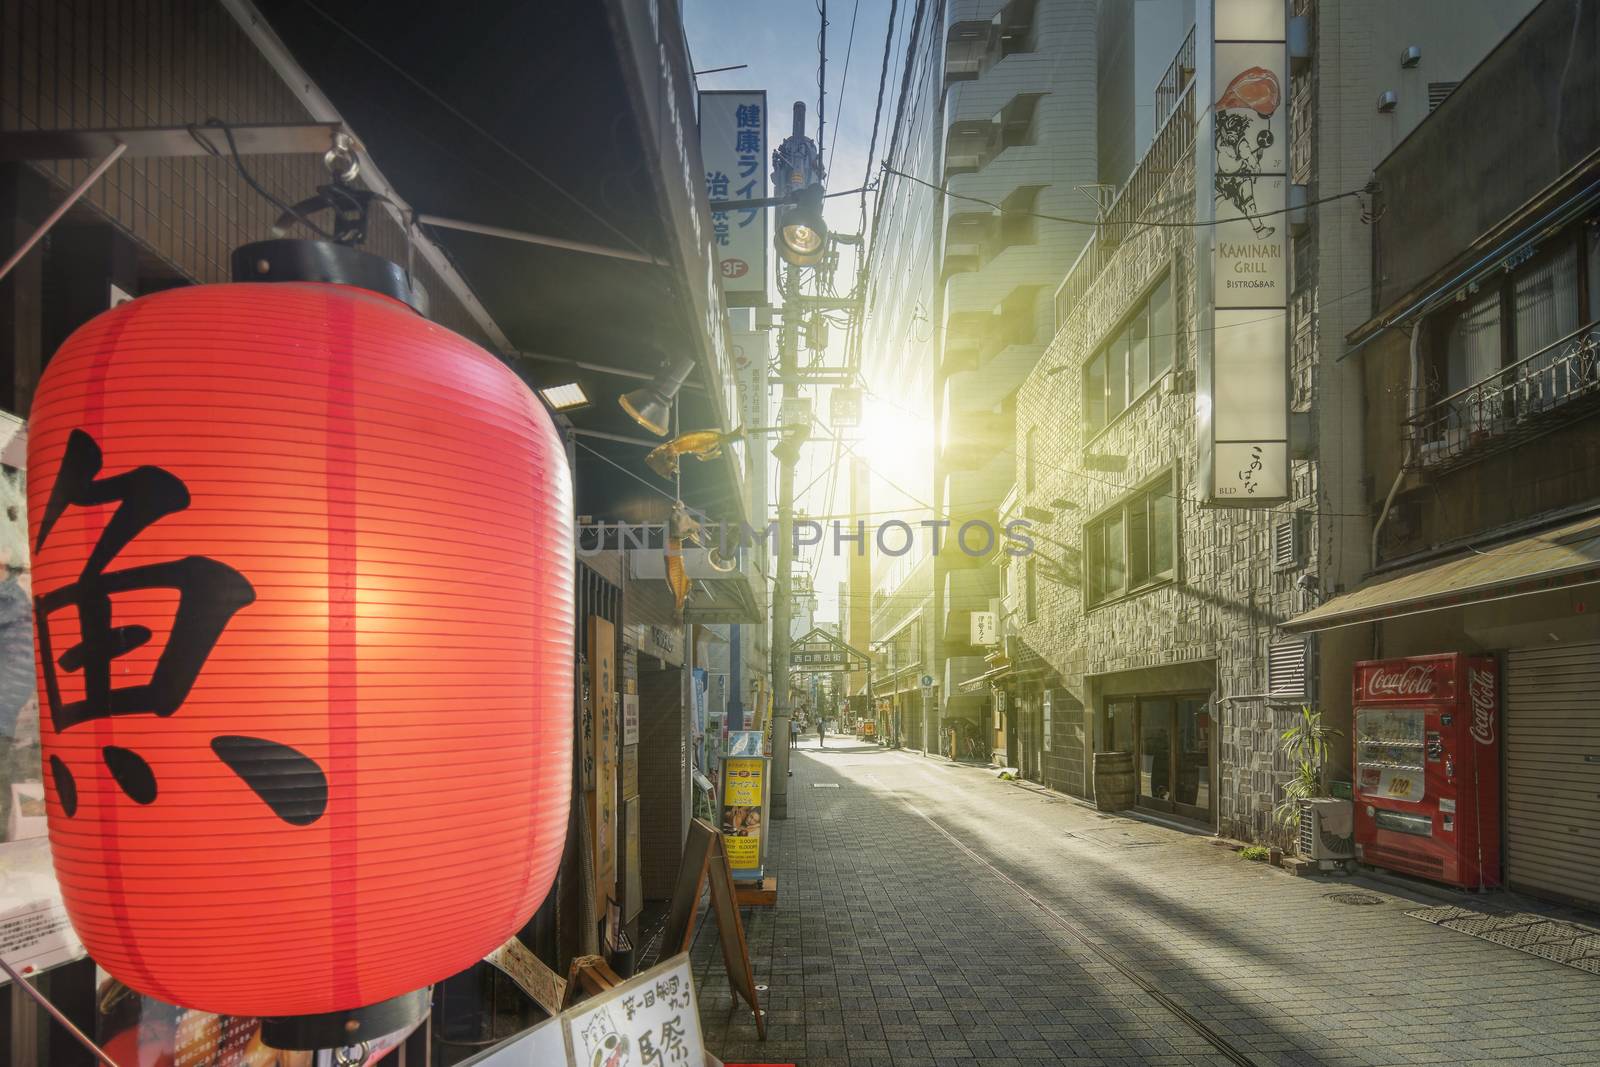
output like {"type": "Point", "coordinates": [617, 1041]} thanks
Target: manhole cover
{"type": "Point", "coordinates": [1352, 898]}
{"type": "Point", "coordinates": [824, 785]}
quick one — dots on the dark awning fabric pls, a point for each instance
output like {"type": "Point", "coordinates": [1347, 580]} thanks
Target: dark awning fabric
{"type": "Point", "coordinates": [571, 119]}
{"type": "Point", "coordinates": [1559, 558]}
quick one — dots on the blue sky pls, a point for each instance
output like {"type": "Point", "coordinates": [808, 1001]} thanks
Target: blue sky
{"type": "Point", "coordinates": [778, 38]}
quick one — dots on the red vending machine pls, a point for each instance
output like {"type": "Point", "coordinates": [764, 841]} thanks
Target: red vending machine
{"type": "Point", "coordinates": [1427, 767]}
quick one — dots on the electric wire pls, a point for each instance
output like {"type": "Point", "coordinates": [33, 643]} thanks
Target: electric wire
{"type": "Point", "coordinates": [1143, 224]}
{"type": "Point", "coordinates": [844, 83]}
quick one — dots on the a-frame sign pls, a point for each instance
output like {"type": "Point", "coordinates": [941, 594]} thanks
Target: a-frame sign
{"type": "Point", "coordinates": [820, 652]}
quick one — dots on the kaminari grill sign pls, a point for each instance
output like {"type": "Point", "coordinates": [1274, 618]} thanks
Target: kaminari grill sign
{"type": "Point", "coordinates": [1242, 161]}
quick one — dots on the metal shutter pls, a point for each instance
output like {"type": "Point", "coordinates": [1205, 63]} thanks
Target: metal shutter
{"type": "Point", "coordinates": [1552, 743]}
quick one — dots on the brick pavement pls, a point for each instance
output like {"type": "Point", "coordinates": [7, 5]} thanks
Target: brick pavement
{"type": "Point", "coordinates": [893, 945]}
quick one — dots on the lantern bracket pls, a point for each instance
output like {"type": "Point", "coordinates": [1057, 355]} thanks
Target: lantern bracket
{"type": "Point", "coordinates": [346, 1029]}
{"type": "Point", "coordinates": [293, 260]}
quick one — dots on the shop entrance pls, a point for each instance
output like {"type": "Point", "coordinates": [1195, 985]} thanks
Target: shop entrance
{"type": "Point", "coordinates": [1170, 738]}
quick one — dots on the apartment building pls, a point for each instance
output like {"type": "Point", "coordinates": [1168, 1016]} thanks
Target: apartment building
{"type": "Point", "coordinates": [1148, 622]}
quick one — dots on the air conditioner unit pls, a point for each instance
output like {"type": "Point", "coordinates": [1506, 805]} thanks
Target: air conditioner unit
{"type": "Point", "coordinates": [1327, 830]}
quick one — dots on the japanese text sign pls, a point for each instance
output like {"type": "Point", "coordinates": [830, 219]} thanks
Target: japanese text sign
{"type": "Point", "coordinates": [733, 146]}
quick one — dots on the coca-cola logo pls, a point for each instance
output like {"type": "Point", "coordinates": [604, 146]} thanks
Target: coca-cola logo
{"type": "Point", "coordinates": [1480, 690]}
{"type": "Point", "coordinates": [1416, 680]}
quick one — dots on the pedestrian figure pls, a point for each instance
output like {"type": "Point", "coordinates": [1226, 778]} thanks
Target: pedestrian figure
{"type": "Point", "coordinates": [822, 732]}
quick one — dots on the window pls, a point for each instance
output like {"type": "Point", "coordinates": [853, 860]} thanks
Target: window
{"type": "Point", "coordinates": [1133, 545]}
{"type": "Point", "coordinates": [1137, 354]}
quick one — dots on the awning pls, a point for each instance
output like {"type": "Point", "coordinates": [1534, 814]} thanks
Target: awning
{"type": "Point", "coordinates": [574, 120]}
{"type": "Point", "coordinates": [986, 679]}
{"type": "Point", "coordinates": [1559, 558]}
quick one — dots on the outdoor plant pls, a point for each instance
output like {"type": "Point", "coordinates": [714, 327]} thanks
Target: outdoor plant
{"type": "Point", "coordinates": [1254, 853]}
{"type": "Point", "coordinates": [1306, 745]}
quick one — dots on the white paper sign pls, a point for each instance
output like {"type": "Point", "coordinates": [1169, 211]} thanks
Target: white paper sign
{"type": "Point", "coordinates": [630, 718]}
{"type": "Point", "coordinates": [547, 988]}
{"type": "Point", "coordinates": [985, 628]}
{"type": "Point", "coordinates": [650, 1019]}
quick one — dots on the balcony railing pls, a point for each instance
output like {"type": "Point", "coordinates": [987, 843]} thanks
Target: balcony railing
{"type": "Point", "coordinates": [1136, 202]}
{"type": "Point", "coordinates": [1176, 80]}
{"type": "Point", "coordinates": [1555, 385]}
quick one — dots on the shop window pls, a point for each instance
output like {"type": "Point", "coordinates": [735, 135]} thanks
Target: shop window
{"type": "Point", "coordinates": [1134, 545]}
{"type": "Point", "coordinates": [1139, 351]}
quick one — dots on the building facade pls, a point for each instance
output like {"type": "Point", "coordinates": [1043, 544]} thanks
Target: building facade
{"type": "Point", "coordinates": [1481, 373]}
{"type": "Point", "coordinates": [1159, 620]}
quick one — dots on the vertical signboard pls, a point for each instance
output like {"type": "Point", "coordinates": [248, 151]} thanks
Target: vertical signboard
{"type": "Point", "coordinates": [1242, 161]}
{"type": "Point", "coordinates": [733, 146]}
{"type": "Point", "coordinates": [744, 781]}
{"type": "Point", "coordinates": [603, 700]}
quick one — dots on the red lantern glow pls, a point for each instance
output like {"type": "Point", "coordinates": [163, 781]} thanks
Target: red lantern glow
{"type": "Point", "coordinates": [303, 567]}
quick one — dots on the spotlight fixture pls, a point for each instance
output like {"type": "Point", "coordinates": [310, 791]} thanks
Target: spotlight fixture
{"type": "Point", "coordinates": [651, 405]}
{"type": "Point", "coordinates": [568, 397]}
{"type": "Point", "coordinates": [802, 234]}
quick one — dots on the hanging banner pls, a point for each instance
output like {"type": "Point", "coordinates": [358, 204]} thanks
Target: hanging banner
{"type": "Point", "coordinates": [744, 782]}
{"type": "Point", "coordinates": [733, 145]}
{"type": "Point", "coordinates": [1242, 183]}
{"type": "Point", "coordinates": [604, 731]}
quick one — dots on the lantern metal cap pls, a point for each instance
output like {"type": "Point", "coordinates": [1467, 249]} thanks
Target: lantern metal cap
{"type": "Point", "coordinates": [295, 260]}
{"type": "Point", "coordinates": [341, 1029]}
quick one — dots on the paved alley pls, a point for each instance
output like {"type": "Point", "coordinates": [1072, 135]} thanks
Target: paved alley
{"type": "Point", "coordinates": [932, 914]}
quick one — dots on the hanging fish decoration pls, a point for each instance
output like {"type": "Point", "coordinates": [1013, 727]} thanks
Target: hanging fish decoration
{"type": "Point", "coordinates": [677, 574]}
{"type": "Point", "coordinates": [701, 444]}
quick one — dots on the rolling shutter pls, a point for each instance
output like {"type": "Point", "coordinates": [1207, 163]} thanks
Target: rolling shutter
{"type": "Point", "coordinates": [1552, 746]}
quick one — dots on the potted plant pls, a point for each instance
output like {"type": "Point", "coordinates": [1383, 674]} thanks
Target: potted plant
{"type": "Point", "coordinates": [1305, 742]}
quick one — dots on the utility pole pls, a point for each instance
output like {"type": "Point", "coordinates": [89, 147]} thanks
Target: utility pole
{"type": "Point", "coordinates": [796, 166]}
{"type": "Point", "coordinates": [782, 604]}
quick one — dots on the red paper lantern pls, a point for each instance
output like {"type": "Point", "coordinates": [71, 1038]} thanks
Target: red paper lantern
{"type": "Point", "coordinates": [303, 570]}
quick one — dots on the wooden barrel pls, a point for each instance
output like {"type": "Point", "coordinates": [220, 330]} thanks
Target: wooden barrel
{"type": "Point", "coordinates": [1113, 780]}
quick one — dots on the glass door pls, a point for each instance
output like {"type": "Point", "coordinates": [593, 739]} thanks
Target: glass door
{"type": "Point", "coordinates": [1155, 753]}
{"type": "Point", "coordinates": [1170, 738]}
{"type": "Point", "coordinates": [1192, 755]}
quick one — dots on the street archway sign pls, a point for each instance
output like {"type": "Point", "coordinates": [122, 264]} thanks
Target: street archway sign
{"type": "Point", "coordinates": [820, 652]}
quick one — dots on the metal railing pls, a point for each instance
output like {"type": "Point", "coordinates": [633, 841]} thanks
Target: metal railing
{"type": "Point", "coordinates": [1523, 400]}
{"type": "Point", "coordinates": [1175, 82]}
{"type": "Point", "coordinates": [1136, 202]}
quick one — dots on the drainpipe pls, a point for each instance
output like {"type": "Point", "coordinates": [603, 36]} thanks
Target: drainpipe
{"type": "Point", "coordinates": [1411, 414]}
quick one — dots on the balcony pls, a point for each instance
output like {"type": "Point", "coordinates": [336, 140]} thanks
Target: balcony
{"type": "Point", "coordinates": [991, 382]}
{"type": "Point", "coordinates": [1138, 201]}
{"type": "Point", "coordinates": [973, 438]}
{"type": "Point", "coordinates": [1555, 386]}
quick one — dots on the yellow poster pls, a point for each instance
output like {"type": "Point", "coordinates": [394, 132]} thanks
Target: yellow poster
{"type": "Point", "coordinates": [744, 783]}
{"type": "Point", "coordinates": [743, 780]}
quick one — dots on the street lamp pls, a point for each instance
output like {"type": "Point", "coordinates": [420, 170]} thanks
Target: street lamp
{"type": "Point", "coordinates": [651, 405]}
{"type": "Point", "coordinates": [802, 237]}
